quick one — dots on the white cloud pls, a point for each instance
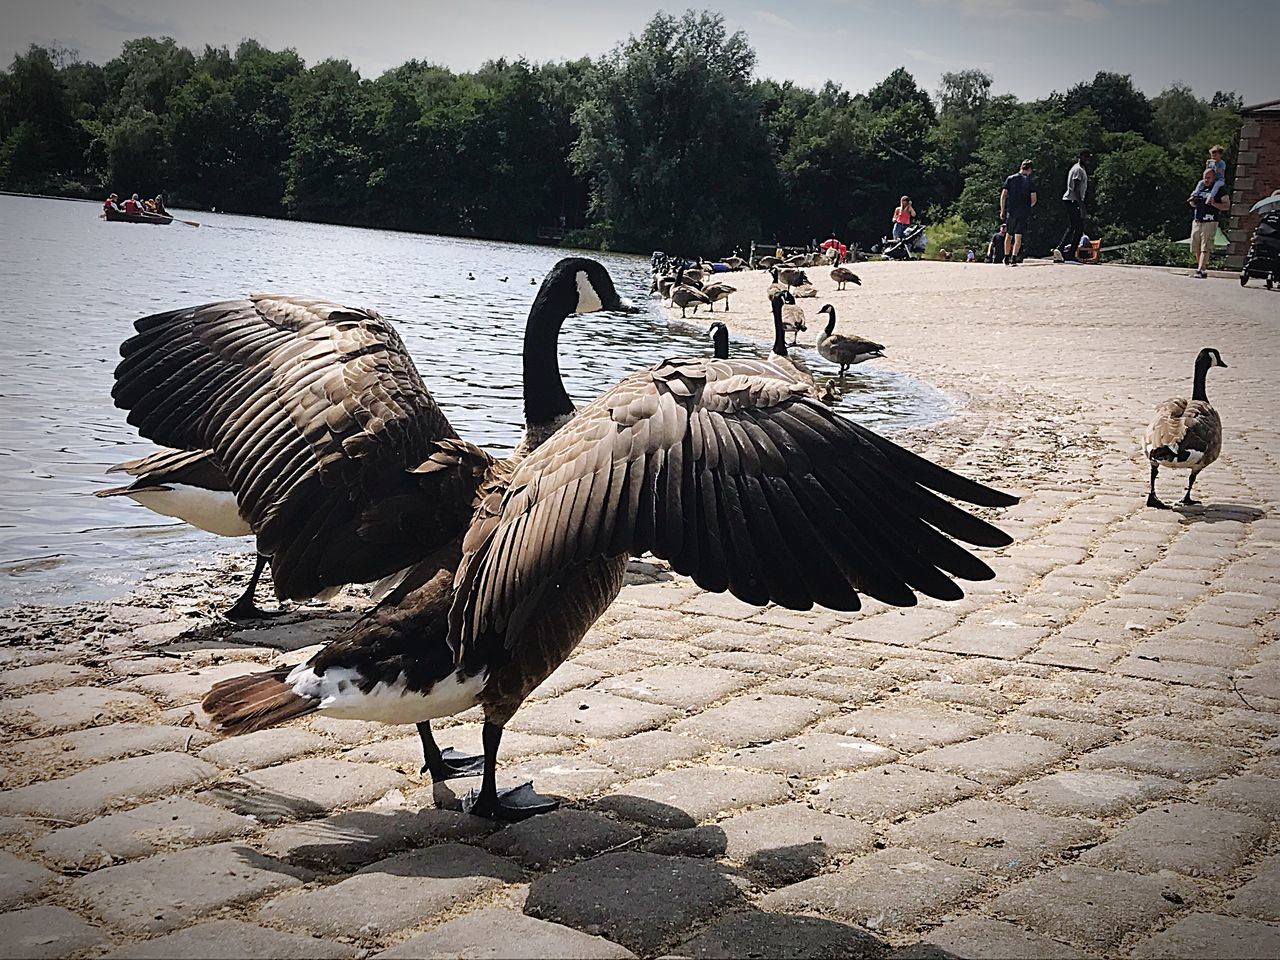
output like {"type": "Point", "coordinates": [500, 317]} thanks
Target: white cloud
{"type": "Point", "coordinates": [947, 63]}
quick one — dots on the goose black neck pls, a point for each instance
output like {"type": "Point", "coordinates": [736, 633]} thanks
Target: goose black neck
{"type": "Point", "coordinates": [1202, 367]}
{"type": "Point", "coordinates": [545, 398]}
{"type": "Point", "coordinates": [779, 334]}
{"type": "Point", "coordinates": [831, 322]}
{"type": "Point", "coordinates": [721, 341]}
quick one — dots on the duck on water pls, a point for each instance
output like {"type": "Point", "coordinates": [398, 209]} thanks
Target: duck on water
{"type": "Point", "coordinates": [347, 470]}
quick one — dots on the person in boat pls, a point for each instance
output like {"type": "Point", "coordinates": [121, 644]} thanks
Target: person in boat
{"type": "Point", "coordinates": [158, 205]}
{"type": "Point", "coordinates": [133, 206]}
{"type": "Point", "coordinates": [110, 205]}
{"type": "Point", "coordinates": [149, 206]}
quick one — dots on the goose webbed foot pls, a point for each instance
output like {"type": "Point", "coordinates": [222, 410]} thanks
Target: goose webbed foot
{"type": "Point", "coordinates": [1188, 502]}
{"type": "Point", "coordinates": [1154, 501]}
{"type": "Point", "coordinates": [510, 805]}
{"type": "Point", "coordinates": [248, 610]}
{"type": "Point", "coordinates": [446, 764]}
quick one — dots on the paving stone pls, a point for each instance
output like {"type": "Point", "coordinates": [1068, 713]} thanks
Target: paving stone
{"type": "Point", "coordinates": [568, 676]}
{"type": "Point", "coordinates": [1260, 897]}
{"type": "Point", "coordinates": [989, 636]}
{"type": "Point", "coordinates": [263, 748]}
{"type": "Point", "coordinates": [20, 879]}
{"type": "Point", "coordinates": [115, 740]}
{"type": "Point", "coordinates": [991, 836]}
{"type": "Point", "coordinates": [186, 686]}
{"type": "Point", "coordinates": [769, 664]}
{"type": "Point", "coordinates": [71, 708]}
{"type": "Point", "coordinates": [304, 788]}
{"type": "Point", "coordinates": [890, 791]}
{"type": "Point", "coordinates": [683, 685]}
{"type": "Point", "coordinates": [909, 727]}
{"type": "Point", "coordinates": [349, 732]}
{"type": "Point", "coordinates": [1196, 840]}
{"type": "Point", "coordinates": [45, 932]}
{"type": "Point", "coordinates": [640, 900]}
{"type": "Point", "coordinates": [1075, 735]}
{"type": "Point", "coordinates": [784, 843]}
{"type": "Point", "coordinates": [574, 776]}
{"type": "Point", "coordinates": [1092, 793]}
{"type": "Point", "coordinates": [405, 753]}
{"type": "Point", "coordinates": [168, 891]}
{"type": "Point", "coordinates": [646, 752]}
{"type": "Point", "coordinates": [781, 937]}
{"type": "Point", "coordinates": [965, 693]}
{"type": "Point", "coordinates": [754, 718]}
{"type": "Point", "coordinates": [23, 679]}
{"type": "Point", "coordinates": [497, 934]}
{"type": "Point", "coordinates": [591, 713]}
{"type": "Point", "coordinates": [1210, 935]}
{"type": "Point", "coordinates": [395, 893]}
{"type": "Point", "coordinates": [811, 755]}
{"type": "Point", "coordinates": [160, 825]}
{"type": "Point", "coordinates": [1182, 761]}
{"type": "Point", "coordinates": [977, 938]}
{"type": "Point", "coordinates": [357, 837]}
{"type": "Point", "coordinates": [1253, 794]}
{"type": "Point", "coordinates": [232, 940]}
{"type": "Point", "coordinates": [685, 796]}
{"type": "Point", "coordinates": [900, 627]}
{"type": "Point", "coordinates": [1093, 908]}
{"type": "Point", "coordinates": [998, 758]}
{"type": "Point", "coordinates": [93, 791]}
{"type": "Point", "coordinates": [559, 836]}
{"type": "Point", "coordinates": [885, 890]}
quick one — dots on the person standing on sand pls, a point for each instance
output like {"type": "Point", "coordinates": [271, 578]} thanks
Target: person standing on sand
{"type": "Point", "coordinates": [1206, 203]}
{"type": "Point", "coordinates": [1077, 186]}
{"type": "Point", "coordinates": [902, 216]}
{"type": "Point", "coordinates": [1017, 197]}
{"type": "Point", "coordinates": [995, 246]}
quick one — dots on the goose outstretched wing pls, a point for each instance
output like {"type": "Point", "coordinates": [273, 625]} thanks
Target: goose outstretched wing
{"type": "Point", "coordinates": [340, 459]}
{"type": "Point", "coordinates": [726, 469]}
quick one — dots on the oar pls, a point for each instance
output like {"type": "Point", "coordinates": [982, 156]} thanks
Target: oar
{"type": "Point", "coordinates": [161, 216]}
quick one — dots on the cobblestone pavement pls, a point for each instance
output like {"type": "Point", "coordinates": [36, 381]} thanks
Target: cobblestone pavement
{"type": "Point", "coordinates": [1079, 759]}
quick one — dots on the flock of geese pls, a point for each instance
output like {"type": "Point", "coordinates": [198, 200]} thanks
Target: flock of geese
{"type": "Point", "coordinates": [308, 424]}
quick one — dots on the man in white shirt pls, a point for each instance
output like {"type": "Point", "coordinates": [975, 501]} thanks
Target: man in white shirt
{"type": "Point", "coordinates": [1073, 200]}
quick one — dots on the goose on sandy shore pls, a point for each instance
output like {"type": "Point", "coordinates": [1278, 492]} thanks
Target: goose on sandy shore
{"type": "Point", "coordinates": [723, 468]}
{"type": "Point", "coordinates": [843, 275]}
{"type": "Point", "coordinates": [715, 292]}
{"type": "Point", "coordinates": [1185, 434]}
{"type": "Point", "coordinates": [843, 350]}
{"type": "Point", "coordinates": [685, 297]}
{"type": "Point", "coordinates": [189, 485]}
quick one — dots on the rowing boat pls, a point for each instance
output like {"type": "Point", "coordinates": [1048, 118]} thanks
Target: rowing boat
{"type": "Point", "coordinates": [121, 217]}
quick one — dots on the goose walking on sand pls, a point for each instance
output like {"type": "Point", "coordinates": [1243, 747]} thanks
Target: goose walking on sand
{"type": "Point", "coordinates": [843, 275]}
{"type": "Point", "coordinates": [339, 455]}
{"type": "Point", "coordinates": [1185, 434]}
{"type": "Point", "coordinates": [842, 350]}
{"type": "Point", "coordinates": [715, 292]}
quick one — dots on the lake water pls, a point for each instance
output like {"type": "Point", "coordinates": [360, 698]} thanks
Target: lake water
{"type": "Point", "coordinates": [74, 284]}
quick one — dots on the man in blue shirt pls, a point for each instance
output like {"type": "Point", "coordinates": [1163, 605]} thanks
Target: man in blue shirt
{"type": "Point", "coordinates": [1206, 203]}
{"type": "Point", "coordinates": [1017, 197]}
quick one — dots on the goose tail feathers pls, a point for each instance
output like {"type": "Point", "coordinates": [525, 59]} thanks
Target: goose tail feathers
{"type": "Point", "coordinates": [255, 701]}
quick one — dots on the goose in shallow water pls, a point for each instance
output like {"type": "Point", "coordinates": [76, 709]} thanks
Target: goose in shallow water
{"type": "Point", "coordinates": [723, 468]}
{"type": "Point", "coordinates": [1185, 434]}
{"type": "Point", "coordinates": [719, 335]}
{"type": "Point", "coordinates": [685, 297]}
{"type": "Point", "coordinates": [779, 356]}
{"type": "Point", "coordinates": [842, 350]}
{"type": "Point", "coordinates": [189, 485]}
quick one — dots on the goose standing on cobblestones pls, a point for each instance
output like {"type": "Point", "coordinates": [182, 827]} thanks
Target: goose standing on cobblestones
{"type": "Point", "coordinates": [1186, 434]}
{"type": "Point", "coordinates": [723, 468]}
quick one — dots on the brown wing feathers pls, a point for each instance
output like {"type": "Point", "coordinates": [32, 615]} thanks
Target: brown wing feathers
{"type": "Point", "coordinates": [727, 471]}
{"type": "Point", "coordinates": [317, 415]}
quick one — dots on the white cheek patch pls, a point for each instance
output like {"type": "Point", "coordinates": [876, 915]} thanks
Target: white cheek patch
{"type": "Point", "coordinates": [588, 299]}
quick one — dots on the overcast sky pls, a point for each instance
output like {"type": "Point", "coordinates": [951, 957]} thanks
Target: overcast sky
{"type": "Point", "coordinates": [1030, 47]}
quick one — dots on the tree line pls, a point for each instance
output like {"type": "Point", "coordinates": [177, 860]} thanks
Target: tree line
{"type": "Point", "coordinates": [669, 141]}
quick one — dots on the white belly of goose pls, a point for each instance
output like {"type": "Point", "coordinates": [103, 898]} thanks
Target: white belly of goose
{"type": "Point", "coordinates": [213, 510]}
{"type": "Point", "coordinates": [340, 695]}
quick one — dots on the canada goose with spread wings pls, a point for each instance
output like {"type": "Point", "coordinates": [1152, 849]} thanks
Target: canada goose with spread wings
{"type": "Point", "coordinates": [1185, 434]}
{"type": "Point", "coordinates": [724, 468]}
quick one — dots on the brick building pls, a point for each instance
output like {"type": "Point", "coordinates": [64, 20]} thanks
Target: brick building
{"type": "Point", "coordinates": [1257, 174]}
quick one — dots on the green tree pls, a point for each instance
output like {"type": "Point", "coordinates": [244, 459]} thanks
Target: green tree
{"type": "Point", "coordinates": [1112, 97]}
{"type": "Point", "coordinates": [1141, 190]}
{"type": "Point", "coordinates": [672, 139]}
{"type": "Point", "coordinates": [327, 173]}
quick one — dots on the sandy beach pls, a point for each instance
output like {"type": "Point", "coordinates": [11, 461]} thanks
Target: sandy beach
{"type": "Point", "coordinates": [1078, 759]}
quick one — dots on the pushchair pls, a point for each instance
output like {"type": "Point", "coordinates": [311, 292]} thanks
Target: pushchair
{"type": "Point", "coordinates": [913, 240]}
{"type": "Point", "coordinates": [1263, 259]}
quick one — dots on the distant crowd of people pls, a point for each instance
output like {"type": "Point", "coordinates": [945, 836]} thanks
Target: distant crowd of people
{"type": "Point", "coordinates": [135, 207]}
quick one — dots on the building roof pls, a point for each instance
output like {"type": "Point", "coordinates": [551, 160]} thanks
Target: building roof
{"type": "Point", "coordinates": [1270, 106]}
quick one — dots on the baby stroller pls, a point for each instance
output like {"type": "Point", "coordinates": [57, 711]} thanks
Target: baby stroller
{"type": "Point", "coordinates": [913, 240]}
{"type": "Point", "coordinates": [1263, 260]}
